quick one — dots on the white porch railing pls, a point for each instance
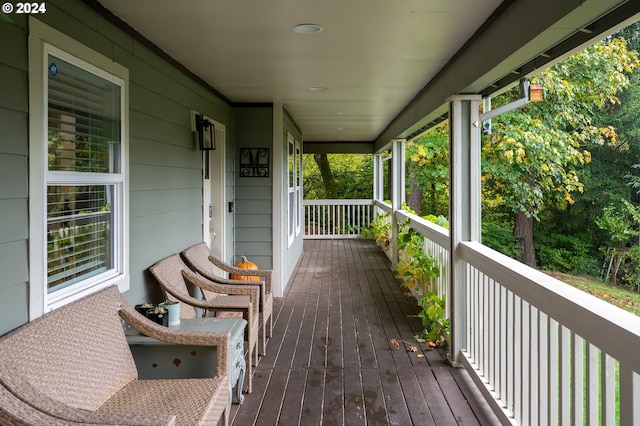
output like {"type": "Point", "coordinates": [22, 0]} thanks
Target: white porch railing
{"type": "Point", "coordinates": [336, 218]}
{"type": "Point", "coordinates": [541, 351]}
{"type": "Point", "coordinates": [545, 352]}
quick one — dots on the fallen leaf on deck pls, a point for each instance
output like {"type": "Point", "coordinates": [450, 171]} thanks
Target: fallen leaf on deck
{"type": "Point", "coordinates": [395, 343]}
{"type": "Point", "coordinates": [412, 349]}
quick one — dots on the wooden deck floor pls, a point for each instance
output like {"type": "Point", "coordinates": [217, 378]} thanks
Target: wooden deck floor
{"type": "Point", "coordinates": [329, 361]}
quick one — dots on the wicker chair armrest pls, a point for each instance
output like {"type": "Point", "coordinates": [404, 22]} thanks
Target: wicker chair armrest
{"type": "Point", "coordinates": [193, 301]}
{"type": "Point", "coordinates": [236, 290]}
{"type": "Point", "coordinates": [180, 337]}
{"type": "Point", "coordinates": [265, 273]}
{"type": "Point", "coordinates": [258, 284]}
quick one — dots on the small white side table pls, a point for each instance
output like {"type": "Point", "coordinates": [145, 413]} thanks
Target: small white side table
{"type": "Point", "coordinates": [160, 360]}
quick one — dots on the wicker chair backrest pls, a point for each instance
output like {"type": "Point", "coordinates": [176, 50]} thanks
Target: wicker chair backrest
{"type": "Point", "coordinates": [77, 354]}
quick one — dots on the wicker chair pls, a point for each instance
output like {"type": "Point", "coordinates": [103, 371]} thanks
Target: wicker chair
{"type": "Point", "coordinates": [73, 366]}
{"type": "Point", "coordinates": [174, 277]}
{"type": "Point", "coordinates": [200, 259]}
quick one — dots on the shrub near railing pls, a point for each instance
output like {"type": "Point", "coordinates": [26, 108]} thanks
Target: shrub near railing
{"type": "Point", "coordinates": [417, 270]}
{"type": "Point", "coordinates": [380, 230]}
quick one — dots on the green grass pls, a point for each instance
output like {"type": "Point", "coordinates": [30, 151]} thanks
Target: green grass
{"type": "Point", "coordinates": [619, 296]}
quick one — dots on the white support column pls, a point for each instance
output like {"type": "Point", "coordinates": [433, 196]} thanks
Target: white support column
{"type": "Point", "coordinates": [397, 192]}
{"type": "Point", "coordinates": [464, 206]}
{"type": "Point", "coordinates": [378, 177]}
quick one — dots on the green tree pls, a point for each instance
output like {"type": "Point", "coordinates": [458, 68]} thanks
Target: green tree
{"type": "Point", "coordinates": [567, 238]}
{"type": "Point", "coordinates": [534, 153]}
{"type": "Point", "coordinates": [328, 181]}
{"type": "Point", "coordinates": [351, 176]}
{"type": "Point", "coordinates": [428, 172]}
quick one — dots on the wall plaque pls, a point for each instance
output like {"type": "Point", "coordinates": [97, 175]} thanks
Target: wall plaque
{"type": "Point", "coordinates": [254, 162]}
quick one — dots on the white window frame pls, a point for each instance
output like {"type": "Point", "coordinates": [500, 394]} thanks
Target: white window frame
{"type": "Point", "coordinates": [298, 185]}
{"type": "Point", "coordinates": [294, 188]}
{"type": "Point", "coordinates": [44, 40]}
{"type": "Point", "coordinates": [291, 186]}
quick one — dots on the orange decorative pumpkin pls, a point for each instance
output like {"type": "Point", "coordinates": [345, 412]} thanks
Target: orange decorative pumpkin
{"type": "Point", "coordinates": [245, 264]}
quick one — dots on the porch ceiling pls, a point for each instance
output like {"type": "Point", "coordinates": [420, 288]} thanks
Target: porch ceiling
{"type": "Point", "coordinates": [388, 66]}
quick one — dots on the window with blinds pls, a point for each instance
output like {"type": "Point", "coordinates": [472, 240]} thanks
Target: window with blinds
{"type": "Point", "coordinates": [79, 233]}
{"type": "Point", "coordinates": [84, 120]}
{"type": "Point", "coordinates": [84, 133]}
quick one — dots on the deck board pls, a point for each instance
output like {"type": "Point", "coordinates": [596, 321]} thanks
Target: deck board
{"type": "Point", "coordinates": [330, 361]}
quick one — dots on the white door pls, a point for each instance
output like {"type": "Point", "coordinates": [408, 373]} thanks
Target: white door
{"type": "Point", "coordinates": [213, 194]}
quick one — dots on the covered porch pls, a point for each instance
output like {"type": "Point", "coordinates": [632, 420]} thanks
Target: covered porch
{"type": "Point", "coordinates": [330, 360]}
{"type": "Point", "coordinates": [535, 350]}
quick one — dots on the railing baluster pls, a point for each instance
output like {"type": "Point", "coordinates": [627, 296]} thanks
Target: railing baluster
{"type": "Point", "coordinates": [543, 368]}
{"type": "Point", "coordinates": [565, 375]}
{"type": "Point", "coordinates": [332, 220]}
{"type": "Point", "coordinates": [492, 374]}
{"type": "Point", "coordinates": [555, 375]}
{"type": "Point", "coordinates": [511, 351]}
{"type": "Point", "coordinates": [518, 329]}
{"type": "Point", "coordinates": [591, 385]}
{"type": "Point", "coordinates": [317, 219]}
{"type": "Point", "coordinates": [578, 354]}
{"type": "Point", "coordinates": [486, 343]}
{"type": "Point", "coordinates": [503, 347]}
{"type": "Point", "coordinates": [531, 403]}
{"type": "Point", "coordinates": [472, 312]}
{"type": "Point", "coordinates": [608, 394]}
{"type": "Point", "coordinates": [629, 395]}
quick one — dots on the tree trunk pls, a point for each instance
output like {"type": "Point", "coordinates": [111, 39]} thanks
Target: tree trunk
{"type": "Point", "coordinates": [329, 183]}
{"type": "Point", "coordinates": [414, 200]}
{"type": "Point", "coordinates": [523, 231]}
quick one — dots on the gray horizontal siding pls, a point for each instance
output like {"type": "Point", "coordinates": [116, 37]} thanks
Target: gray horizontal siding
{"type": "Point", "coordinates": [14, 312]}
{"type": "Point", "coordinates": [254, 196]}
{"type": "Point", "coordinates": [13, 86]}
{"type": "Point", "coordinates": [146, 202]}
{"type": "Point", "coordinates": [15, 220]}
{"type": "Point", "coordinates": [15, 266]}
{"type": "Point", "coordinates": [165, 178]}
{"type": "Point", "coordinates": [13, 175]}
{"type": "Point", "coordinates": [14, 148]}
{"type": "Point", "coordinates": [13, 131]}
{"type": "Point", "coordinates": [14, 56]}
{"type": "Point", "coordinates": [254, 207]}
{"type": "Point", "coordinates": [14, 285]}
{"type": "Point", "coordinates": [246, 233]}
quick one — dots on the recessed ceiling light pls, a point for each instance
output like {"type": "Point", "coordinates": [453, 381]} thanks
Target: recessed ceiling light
{"type": "Point", "coordinates": [317, 89]}
{"type": "Point", "coordinates": [307, 28]}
